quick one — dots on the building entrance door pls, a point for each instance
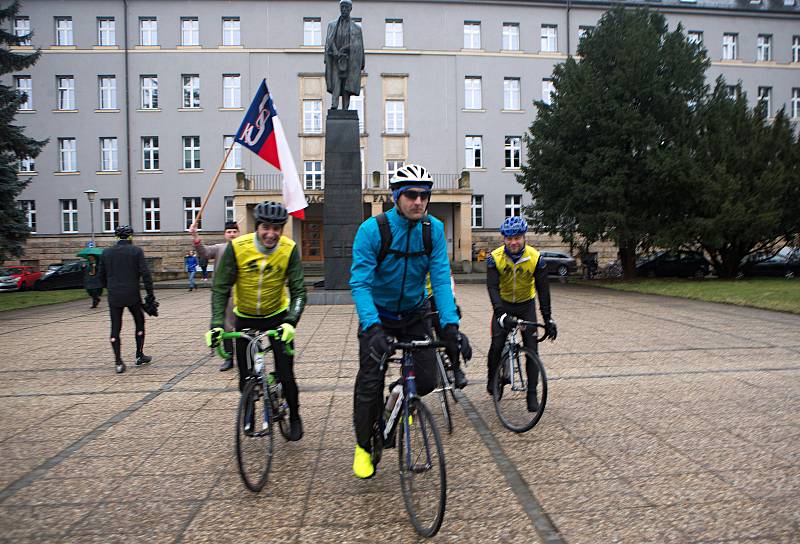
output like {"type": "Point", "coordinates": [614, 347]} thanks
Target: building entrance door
{"type": "Point", "coordinates": [312, 241]}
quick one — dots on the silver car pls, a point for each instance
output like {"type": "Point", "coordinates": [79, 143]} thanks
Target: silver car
{"type": "Point", "coordinates": [559, 264]}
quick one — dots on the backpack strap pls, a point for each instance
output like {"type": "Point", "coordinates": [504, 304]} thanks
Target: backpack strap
{"type": "Point", "coordinates": [386, 239]}
{"type": "Point", "coordinates": [386, 236]}
{"type": "Point", "coordinates": [427, 236]}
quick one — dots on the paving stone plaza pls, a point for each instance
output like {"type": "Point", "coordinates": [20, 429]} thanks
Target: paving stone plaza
{"type": "Point", "coordinates": [667, 420]}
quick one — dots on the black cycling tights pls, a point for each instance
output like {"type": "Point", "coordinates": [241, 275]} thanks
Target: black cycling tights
{"type": "Point", "coordinates": [116, 328]}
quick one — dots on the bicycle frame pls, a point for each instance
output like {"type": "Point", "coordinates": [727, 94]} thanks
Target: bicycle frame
{"type": "Point", "coordinates": [516, 376]}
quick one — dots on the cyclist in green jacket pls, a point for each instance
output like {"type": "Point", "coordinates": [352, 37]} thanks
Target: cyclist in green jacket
{"type": "Point", "coordinates": [260, 265]}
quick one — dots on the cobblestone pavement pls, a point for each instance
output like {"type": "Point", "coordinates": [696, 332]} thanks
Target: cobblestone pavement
{"type": "Point", "coordinates": [667, 421]}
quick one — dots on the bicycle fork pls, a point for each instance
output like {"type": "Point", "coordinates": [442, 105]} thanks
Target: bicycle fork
{"type": "Point", "coordinates": [411, 386]}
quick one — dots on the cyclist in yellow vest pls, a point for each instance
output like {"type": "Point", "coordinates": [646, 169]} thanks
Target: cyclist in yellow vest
{"type": "Point", "coordinates": [259, 265]}
{"type": "Point", "coordinates": [514, 276]}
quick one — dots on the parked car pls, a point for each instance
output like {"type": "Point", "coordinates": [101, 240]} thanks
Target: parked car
{"type": "Point", "coordinates": [687, 264]}
{"type": "Point", "coordinates": [559, 264]}
{"type": "Point", "coordinates": [66, 276]}
{"type": "Point", "coordinates": [18, 278]}
{"type": "Point", "coordinates": [785, 263]}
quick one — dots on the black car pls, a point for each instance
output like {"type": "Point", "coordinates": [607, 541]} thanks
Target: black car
{"type": "Point", "coordinates": [785, 263]}
{"type": "Point", "coordinates": [559, 264]}
{"type": "Point", "coordinates": [66, 276]}
{"type": "Point", "coordinates": [666, 264]}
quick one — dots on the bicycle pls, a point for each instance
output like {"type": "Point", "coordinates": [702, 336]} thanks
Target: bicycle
{"type": "Point", "coordinates": [507, 402]}
{"type": "Point", "coordinates": [445, 379]}
{"type": "Point", "coordinates": [254, 445]}
{"type": "Point", "coordinates": [419, 446]}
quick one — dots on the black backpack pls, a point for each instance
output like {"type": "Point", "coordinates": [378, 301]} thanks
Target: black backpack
{"type": "Point", "coordinates": [386, 239]}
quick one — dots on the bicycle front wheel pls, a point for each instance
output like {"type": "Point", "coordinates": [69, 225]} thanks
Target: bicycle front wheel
{"type": "Point", "coordinates": [520, 396]}
{"type": "Point", "coordinates": [441, 384]}
{"type": "Point", "coordinates": [254, 436]}
{"type": "Point", "coordinates": [422, 469]}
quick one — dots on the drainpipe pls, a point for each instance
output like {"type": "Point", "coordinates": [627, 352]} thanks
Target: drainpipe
{"type": "Point", "coordinates": [569, 32]}
{"type": "Point", "coordinates": [127, 118]}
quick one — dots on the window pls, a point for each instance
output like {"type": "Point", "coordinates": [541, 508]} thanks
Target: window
{"type": "Point", "coordinates": [191, 207]}
{"type": "Point", "coordinates": [394, 33]}
{"type": "Point", "coordinates": [795, 103]}
{"type": "Point", "coordinates": [108, 155]}
{"type": "Point", "coordinates": [312, 31]}
{"type": "Point", "coordinates": [150, 153]}
{"type": "Point", "coordinates": [68, 155]}
{"type": "Point", "coordinates": [513, 205]}
{"type": "Point", "coordinates": [583, 30]}
{"type": "Point", "coordinates": [151, 210]}
{"type": "Point", "coordinates": [69, 215]}
{"type": "Point", "coordinates": [148, 31]}
{"type": "Point", "coordinates": [110, 214]}
{"type": "Point", "coordinates": [472, 35]}
{"type": "Point", "coordinates": [234, 161]}
{"type": "Point", "coordinates": [231, 91]}
{"type": "Point", "coordinates": [64, 31]}
{"type": "Point", "coordinates": [357, 104]}
{"type": "Point", "coordinates": [24, 85]}
{"type": "Point", "coordinates": [765, 97]}
{"type": "Point", "coordinates": [795, 48]}
{"type": "Point", "coordinates": [22, 27]}
{"type": "Point", "coordinates": [764, 48]}
{"type": "Point", "coordinates": [191, 90]}
{"type": "Point", "coordinates": [511, 93]}
{"type": "Point", "coordinates": [191, 152]}
{"type": "Point", "coordinates": [477, 211]}
{"type": "Point", "coordinates": [29, 207]}
{"type": "Point", "coordinates": [730, 91]}
{"type": "Point", "coordinates": [149, 85]}
{"type": "Point", "coordinates": [395, 117]}
{"type": "Point", "coordinates": [392, 167]}
{"type": "Point", "coordinates": [547, 91]}
{"type": "Point", "coordinates": [513, 150]}
{"type": "Point", "coordinates": [473, 146]}
{"type": "Point", "coordinates": [230, 210]}
{"type": "Point", "coordinates": [472, 93]}
{"type": "Point", "coordinates": [511, 36]}
{"type": "Point", "coordinates": [106, 31]}
{"type": "Point", "coordinates": [66, 92]}
{"type": "Point", "coordinates": [729, 46]}
{"type": "Point", "coordinates": [231, 33]}
{"type": "Point", "coordinates": [695, 36]}
{"type": "Point", "coordinates": [312, 172]}
{"type": "Point", "coordinates": [26, 164]}
{"type": "Point", "coordinates": [549, 39]}
{"type": "Point", "coordinates": [108, 92]}
{"type": "Point", "coordinates": [190, 31]}
{"type": "Point", "coordinates": [312, 116]}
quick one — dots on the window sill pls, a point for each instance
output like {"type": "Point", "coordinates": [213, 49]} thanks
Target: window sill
{"type": "Point", "coordinates": [231, 109]}
{"type": "Point", "coordinates": [21, 48]}
{"type": "Point", "coordinates": [472, 50]}
{"type": "Point", "coordinates": [512, 51]}
{"type": "Point", "coordinates": [731, 61]}
{"type": "Point", "coordinates": [189, 47]}
{"type": "Point", "coordinates": [394, 48]}
{"type": "Point", "coordinates": [75, 173]}
{"type": "Point", "coordinates": [475, 168]}
{"type": "Point", "coordinates": [147, 47]}
{"type": "Point", "coordinates": [65, 111]}
{"type": "Point", "coordinates": [105, 47]}
{"type": "Point", "coordinates": [309, 46]}
{"type": "Point", "coordinates": [766, 63]}
{"type": "Point", "coordinates": [310, 134]}
{"type": "Point", "coordinates": [191, 171]}
{"type": "Point", "coordinates": [511, 169]}
{"type": "Point", "coordinates": [110, 110]}
{"type": "Point", "coordinates": [512, 111]}
{"type": "Point", "coordinates": [63, 47]}
{"type": "Point", "coordinates": [550, 53]}
{"type": "Point", "coordinates": [26, 111]}
{"type": "Point", "coordinates": [149, 171]}
{"type": "Point", "coordinates": [233, 170]}
{"type": "Point", "coordinates": [148, 110]}
{"type": "Point", "coordinates": [230, 46]}
{"type": "Point", "coordinates": [471, 110]}
{"type": "Point", "coordinates": [395, 134]}
{"type": "Point", "coordinates": [25, 174]}
{"type": "Point", "coordinates": [108, 172]}
{"type": "Point", "coordinates": [190, 109]}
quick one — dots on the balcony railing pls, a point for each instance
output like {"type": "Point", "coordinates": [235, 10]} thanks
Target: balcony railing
{"type": "Point", "coordinates": [274, 182]}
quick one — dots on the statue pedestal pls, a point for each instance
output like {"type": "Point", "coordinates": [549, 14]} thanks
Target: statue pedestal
{"type": "Point", "coordinates": [344, 210]}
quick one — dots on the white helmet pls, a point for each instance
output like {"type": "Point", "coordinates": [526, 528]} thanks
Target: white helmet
{"type": "Point", "coordinates": [411, 175]}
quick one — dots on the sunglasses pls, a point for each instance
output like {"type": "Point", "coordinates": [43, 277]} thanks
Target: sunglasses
{"type": "Point", "coordinates": [413, 195]}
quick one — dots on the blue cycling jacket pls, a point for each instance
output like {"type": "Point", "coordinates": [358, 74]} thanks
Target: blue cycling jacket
{"type": "Point", "coordinates": [398, 286]}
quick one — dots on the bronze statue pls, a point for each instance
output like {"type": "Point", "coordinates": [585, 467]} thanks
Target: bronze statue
{"type": "Point", "coordinates": [344, 57]}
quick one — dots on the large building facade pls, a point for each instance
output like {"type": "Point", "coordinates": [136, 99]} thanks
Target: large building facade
{"type": "Point", "coordinates": [140, 100]}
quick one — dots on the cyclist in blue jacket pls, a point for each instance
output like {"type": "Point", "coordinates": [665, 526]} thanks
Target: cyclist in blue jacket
{"type": "Point", "coordinates": [388, 288]}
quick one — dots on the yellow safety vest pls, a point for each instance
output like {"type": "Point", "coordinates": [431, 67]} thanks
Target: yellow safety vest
{"type": "Point", "coordinates": [260, 288]}
{"type": "Point", "coordinates": [517, 283]}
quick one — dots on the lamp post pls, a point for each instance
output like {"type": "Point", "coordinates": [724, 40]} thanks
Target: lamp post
{"type": "Point", "coordinates": [91, 194]}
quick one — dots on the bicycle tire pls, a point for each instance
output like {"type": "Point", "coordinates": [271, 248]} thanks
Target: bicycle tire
{"type": "Point", "coordinates": [422, 423]}
{"type": "Point", "coordinates": [440, 384]}
{"type": "Point", "coordinates": [511, 408]}
{"type": "Point", "coordinates": [451, 377]}
{"type": "Point", "coordinates": [256, 442]}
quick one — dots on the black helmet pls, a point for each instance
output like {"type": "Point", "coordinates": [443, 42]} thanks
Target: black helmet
{"type": "Point", "coordinates": [272, 213]}
{"type": "Point", "coordinates": [123, 232]}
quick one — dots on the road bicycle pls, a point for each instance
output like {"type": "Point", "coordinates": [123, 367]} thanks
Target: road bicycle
{"type": "Point", "coordinates": [445, 379]}
{"type": "Point", "coordinates": [520, 370]}
{"type": "Point", "coordinates": [423, 478]}
{"type": "Point", "coordinates": [261, 406]}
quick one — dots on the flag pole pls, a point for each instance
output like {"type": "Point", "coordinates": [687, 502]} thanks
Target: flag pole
{"type": "Point", "coordinates": [211, 187]}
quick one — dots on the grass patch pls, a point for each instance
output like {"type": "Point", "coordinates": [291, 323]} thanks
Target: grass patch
{"type": "Point", "coordinates": [767, 293]}
{"type": "Point", "coordinates": [29, 299]}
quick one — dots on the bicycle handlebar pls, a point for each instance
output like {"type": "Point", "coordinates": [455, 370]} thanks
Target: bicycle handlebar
{"type": "Point", "coordinates": [523, 323]}
{"type": "Point", "coordinates": [251, 335]}
{"type": "Point", "coordinates": [418, 344]}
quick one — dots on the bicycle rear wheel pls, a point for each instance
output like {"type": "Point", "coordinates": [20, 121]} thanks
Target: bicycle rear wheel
{"type": "Point", "coordinates": [511, 401]}
{"type": "Point", "coordinates": [254, 436]}
{"type": "Point", "coordinates": [423, 479]}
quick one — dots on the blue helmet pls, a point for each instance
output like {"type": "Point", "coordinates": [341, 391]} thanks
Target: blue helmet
{"type": "Point", "coordinates": [513, 226]}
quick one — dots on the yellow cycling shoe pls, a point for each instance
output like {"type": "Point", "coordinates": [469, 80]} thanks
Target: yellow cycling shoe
{"type": "Point", "coordinates": [362, 463]}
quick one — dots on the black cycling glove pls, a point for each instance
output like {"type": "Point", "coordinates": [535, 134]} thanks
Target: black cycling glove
{"type": "Point", "coordinates": [378, 343]}
{"type": "Point", "coordinates": [457, 343]}
{"type": "Point", "coordinates": [550, 328]}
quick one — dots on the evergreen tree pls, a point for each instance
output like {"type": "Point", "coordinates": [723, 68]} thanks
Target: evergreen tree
{"type": "Point", "coordinates": [611, 156]}
{"type": "Point", "coordinates": [14, 145]}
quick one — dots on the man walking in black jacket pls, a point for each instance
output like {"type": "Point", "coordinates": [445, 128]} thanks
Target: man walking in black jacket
{"type": "Point", "coordinates": [121, 268]}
